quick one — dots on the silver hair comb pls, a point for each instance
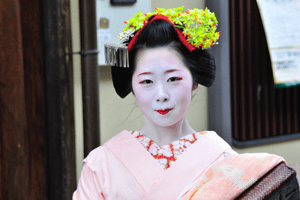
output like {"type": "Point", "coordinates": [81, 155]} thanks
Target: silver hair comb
{"type": "Point", "coordinates": [116, 55]}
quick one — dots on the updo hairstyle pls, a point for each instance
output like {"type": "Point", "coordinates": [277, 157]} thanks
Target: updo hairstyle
{"type": "Point", "coordinates": [160, 33]}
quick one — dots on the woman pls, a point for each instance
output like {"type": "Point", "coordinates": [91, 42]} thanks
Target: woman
{"type": "Point", "coordinates": [166, 158]}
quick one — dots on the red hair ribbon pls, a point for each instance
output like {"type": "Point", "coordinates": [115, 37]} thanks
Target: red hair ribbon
{"type": "Point", "coordinates": [162, 17]}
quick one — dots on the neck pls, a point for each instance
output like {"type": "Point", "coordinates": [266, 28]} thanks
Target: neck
{"type": "Point", "coordinates": [162, 135]}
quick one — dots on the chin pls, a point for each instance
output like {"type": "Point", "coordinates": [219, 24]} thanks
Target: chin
{"type": "Point", "coordinates": [166, 122]}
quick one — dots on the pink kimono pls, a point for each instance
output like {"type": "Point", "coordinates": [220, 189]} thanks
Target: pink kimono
{"type": "Point", "coordinates": [123, 169]}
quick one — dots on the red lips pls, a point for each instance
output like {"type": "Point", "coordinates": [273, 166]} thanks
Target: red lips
{"type": "Point", "coordinates": [163, 112]}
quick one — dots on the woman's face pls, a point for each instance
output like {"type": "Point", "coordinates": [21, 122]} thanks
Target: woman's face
{"type": "Point", "coordinates": [162, 85]}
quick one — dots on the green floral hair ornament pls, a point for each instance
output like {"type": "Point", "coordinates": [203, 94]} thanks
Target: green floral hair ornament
{"type": "Point", "coordinates": [198, 26]}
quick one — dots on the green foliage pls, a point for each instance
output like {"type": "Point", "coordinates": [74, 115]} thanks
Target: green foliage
{"type": "Point", "coordinates": [199, 26]}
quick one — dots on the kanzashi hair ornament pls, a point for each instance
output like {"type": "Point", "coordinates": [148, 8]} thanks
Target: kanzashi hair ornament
{"type": "Point", "coordinates": [195, 29]}
{"type": "Point", "coordinates": [116, 55]}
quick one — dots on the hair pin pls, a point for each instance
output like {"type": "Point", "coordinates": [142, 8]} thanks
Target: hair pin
{"type": "Point", "coordinates": [116, 55]}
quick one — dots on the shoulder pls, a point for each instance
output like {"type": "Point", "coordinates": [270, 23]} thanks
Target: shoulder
{"type": "Point", "coordinates": [96, 157]}
{"type": "Point", "coordinates": [214, 136]}
{"type": "Point", "coordinates": [100, 155]}
{"type": "Point", "coordinates": [123, 135]}
{"type": "Point", "coordinates": [215, 140]}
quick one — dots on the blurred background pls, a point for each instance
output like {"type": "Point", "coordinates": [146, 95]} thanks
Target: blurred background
{"type": "Point", "coordinates": [57, 101]}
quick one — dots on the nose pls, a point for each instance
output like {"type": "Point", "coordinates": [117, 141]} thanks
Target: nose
{"type": "Point", "coordinates": [162, 94]}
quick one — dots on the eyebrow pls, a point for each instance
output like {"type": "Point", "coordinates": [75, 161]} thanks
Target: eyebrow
{"type": "Point", "coordinates": [171, 70]}
{"type": "Point", "coordinates": [168, 71]}
{"type": "Point", "coordinates": [144, 73]}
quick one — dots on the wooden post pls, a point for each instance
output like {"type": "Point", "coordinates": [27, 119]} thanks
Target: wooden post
{"type": "Point", "coordinates": [58, 73]}
{"type": "Point", "coordinates": [89, 76]}
{"type": "Point", "coordinates": [34, 97]}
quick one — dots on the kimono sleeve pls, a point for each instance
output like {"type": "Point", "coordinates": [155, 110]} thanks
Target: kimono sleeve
{"type": "Point", "coordinates": [88, 186]}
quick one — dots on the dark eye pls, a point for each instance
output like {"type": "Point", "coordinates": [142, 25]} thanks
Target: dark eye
{"type": "Point", "coordinates": [147, 81]}
{"type": "Point", "coordinates": [172, 79]}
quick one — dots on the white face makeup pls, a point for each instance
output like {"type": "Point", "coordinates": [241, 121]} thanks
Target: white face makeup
{"type": "Point", "coordinates": [162, 85]}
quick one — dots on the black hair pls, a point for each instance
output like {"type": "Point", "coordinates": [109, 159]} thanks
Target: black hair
{"type": "Point", "coordinates": [160, 33]}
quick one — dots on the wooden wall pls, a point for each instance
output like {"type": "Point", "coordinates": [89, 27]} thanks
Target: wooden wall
{"type": "Point", "coordinates": [14, 166]}
{"type": "Point", "coordinates": [37, 153]}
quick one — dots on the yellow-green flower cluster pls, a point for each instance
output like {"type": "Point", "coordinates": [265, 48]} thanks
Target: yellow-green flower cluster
{"type": "Point", "coordinates": [199, 26]}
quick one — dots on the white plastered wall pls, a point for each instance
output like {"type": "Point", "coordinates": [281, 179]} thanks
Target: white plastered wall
{"type": "Point", "coordinates": [77, 85]}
